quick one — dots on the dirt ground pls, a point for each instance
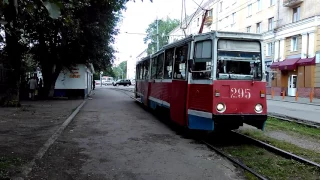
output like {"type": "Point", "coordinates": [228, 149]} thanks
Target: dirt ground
{"type": "Point", "coordinates": [112, 137]}
{"type": "Point", "coordinates": [24, 130]}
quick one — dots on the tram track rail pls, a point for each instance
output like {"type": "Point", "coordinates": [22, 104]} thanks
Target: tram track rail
{"type": "Point", "coordinates": [260, 144]}
{"type": "Point", "coordinates": [233, 160]}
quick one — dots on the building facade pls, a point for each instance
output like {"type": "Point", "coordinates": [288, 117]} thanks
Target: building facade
{"type": "Point", "coordinates": [291, 31]}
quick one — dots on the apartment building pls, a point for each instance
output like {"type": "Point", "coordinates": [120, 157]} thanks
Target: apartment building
{"type": "Point", "coordinates": [291, 31]}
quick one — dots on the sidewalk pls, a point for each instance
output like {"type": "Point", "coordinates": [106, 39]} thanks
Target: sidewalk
{"type": "Point", "coordinates": [301, 100]}
{"type": "Point", "coordinates": [300, 110]}
{"type": "Point", "coordinates": [23, 131]}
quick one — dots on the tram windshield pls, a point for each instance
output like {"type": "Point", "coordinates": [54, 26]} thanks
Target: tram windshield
{"type": "Point", "coordinates": [239, 60]}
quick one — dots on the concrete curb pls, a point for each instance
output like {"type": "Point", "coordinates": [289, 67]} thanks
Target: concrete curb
{"type": "Point", "coordinates": [29, 166]}
{"type": "Point", "coordinates": [294, 102]}
{"type": "Point", "coordinates": [293, 119]}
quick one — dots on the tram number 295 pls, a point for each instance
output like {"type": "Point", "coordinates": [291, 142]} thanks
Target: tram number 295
{"type": "Point", "coordinates": [240, 93]}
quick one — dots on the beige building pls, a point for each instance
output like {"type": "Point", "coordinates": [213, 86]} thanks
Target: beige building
{"type": "Point", "coordinates": [291, 31]}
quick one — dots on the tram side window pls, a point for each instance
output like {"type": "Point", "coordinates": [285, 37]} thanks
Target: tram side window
{"type": "Point", "coordinates": [180, 62]}
{"type": "Point", "coordinates": [138, 72]}
{"type": "Point", "coordinates": [154, 68]}
{"type": "Point", "coordinates": [203, 60]}
{"type": "Point", "coordinates": [146, 69]}
{"type": "Point", "coordinates": [168, 64]}
{"type": "Point", "coordinates": [160, 66]}
{"type": "Point", "coordinates": [141, 71]}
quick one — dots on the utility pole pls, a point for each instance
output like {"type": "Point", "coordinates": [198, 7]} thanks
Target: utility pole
{"type": "Point", "coordinates": [157, 34]}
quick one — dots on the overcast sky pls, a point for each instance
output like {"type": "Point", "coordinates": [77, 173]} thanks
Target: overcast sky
{"type": "Point", "coordinates": [136, 19]}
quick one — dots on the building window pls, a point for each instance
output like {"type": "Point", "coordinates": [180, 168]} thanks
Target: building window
{"type": "Point", "coordinates": [249, 29]}
{"type": "Point", "coordinates": [272, 2]}
{"type": "Point", "coordinates": [259, 2]}
{"type": "Point", "coordinates": [233, 17]}
{"type": "Point", "coordinates": [227, 21]}
{"type": "Point", "coordinates": [296, 14]}
{"type": "Point", "coordinates": [221, 6]}
{"type": "Point", "coordinates": [258, 27]}
{"type": "Point", "coordinates": [294, 44]}
{"type": "Point", "coordinates": [249, 10]}
{"type": "Point", "coordinates": [198, 22]}
{"type": "Point", "coordinates": [210, 13]}
{"type": "Point", "coordinates": [270, 23]}
{"type": "Point", "coordinates": [269, 49]}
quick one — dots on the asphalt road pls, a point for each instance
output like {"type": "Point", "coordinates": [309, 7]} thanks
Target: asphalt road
{"type": "Point", "coordinates": [114, 138]}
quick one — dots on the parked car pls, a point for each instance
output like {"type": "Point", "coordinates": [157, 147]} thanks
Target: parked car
{"type": "Point", "coordinates": [124, 82]}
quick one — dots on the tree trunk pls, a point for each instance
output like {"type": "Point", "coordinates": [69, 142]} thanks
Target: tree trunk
{"type": "Point", "coordinates": [50, 76]}
{"type": "Point", "coordinates": [14, 50]}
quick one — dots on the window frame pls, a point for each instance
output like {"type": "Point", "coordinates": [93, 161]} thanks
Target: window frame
{"type": "Point", "coordinates": [294, 43]}
{"type": "Point", "coordinates": [270, 23]}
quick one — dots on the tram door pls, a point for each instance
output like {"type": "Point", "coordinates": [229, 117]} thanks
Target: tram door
{"type": "Point", "coordinates": [179, 86]}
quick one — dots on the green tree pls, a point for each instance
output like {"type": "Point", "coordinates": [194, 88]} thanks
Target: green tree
{"type": "Point", "coordinates": [58, 34]}
{"type": "Point", "coordinates": [164, 28]}
{"type": "Point", "coordinates": [120, 71]}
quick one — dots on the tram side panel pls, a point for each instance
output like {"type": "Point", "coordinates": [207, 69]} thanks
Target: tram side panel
{"type": "Point", "coordinates": [199, 110]}
{"type": "Point", "coordinates": [155, 94]}
{"type": "Point", "coordinates": [178, 102]}
{"type": "Point", "coordinates": [166, 93]}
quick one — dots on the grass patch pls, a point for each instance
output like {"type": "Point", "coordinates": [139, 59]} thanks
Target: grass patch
{"type": "Point", "coordinates": [275, 124]}
{"type": "Point", "coordinates": [7, 163]}
{"type": "Point", "coordinates": [306, 153]}
{"type": "Point", "coordinates": [271, 165]}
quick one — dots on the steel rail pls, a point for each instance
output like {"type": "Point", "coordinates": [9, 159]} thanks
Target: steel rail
{"type": "Point", "coordinates": [243, 166]}
{"type": "Point", "coordinates": [278, 150]}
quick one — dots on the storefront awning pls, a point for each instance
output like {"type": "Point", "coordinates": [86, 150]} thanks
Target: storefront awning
{"type": "Point", "coordinates": [289, 64]}
{"type": "Point", "coordinates": [275, 65]}
{"type": "Point", "coordinates": [307, 61]}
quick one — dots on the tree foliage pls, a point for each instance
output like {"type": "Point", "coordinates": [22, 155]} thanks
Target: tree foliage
{"type": "Point", "coordinates": [57, 34]}
{"type": "Point", "coordinates": [120, 71]}
{"type": "Point", "coordinates": [164, 28]}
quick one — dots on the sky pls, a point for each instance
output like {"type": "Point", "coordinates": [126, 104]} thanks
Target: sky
{"type": "Point", "coordinates": [136, 19]}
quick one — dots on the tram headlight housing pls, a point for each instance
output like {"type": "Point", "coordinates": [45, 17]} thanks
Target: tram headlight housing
{"type": "Point", "coordinates": [221, 107]}
{"type": "Point", "coordinates": [258, 108]}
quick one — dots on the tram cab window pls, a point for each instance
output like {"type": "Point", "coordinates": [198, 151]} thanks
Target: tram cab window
{"type": "Point", "coordinates": [160, 59]}
{"type": "Point", "coordinates": [168, 64]}
{"type": "Point", "coordinates": [154, 68]}
{"type": "Point", "coordinates": [203, 60]}
{"type": "Point", "coordinates": [239, 60]}
{"type": "Point", "coordinates": [180, 62]}
{"type": "Point", "coordinates": [146, 69]}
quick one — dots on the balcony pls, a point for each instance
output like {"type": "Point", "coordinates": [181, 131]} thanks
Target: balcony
{"type": "Point", "coordinates": [208, 21]}
{"type": "Point", "coordinates": [291, 3]}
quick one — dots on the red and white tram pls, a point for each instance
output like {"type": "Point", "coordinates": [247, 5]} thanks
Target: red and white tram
{"type": "Point", "coordinates": [209, 81]}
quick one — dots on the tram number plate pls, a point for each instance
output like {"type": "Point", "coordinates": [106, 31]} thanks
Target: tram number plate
{"type": "Point", "coordinates": [240, 93]}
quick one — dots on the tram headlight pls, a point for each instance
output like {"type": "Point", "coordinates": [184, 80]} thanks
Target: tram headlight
{"type": "Point", "coordinates": [258, 108]}
{"type": "Point", "coordinates": [221, 107]}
